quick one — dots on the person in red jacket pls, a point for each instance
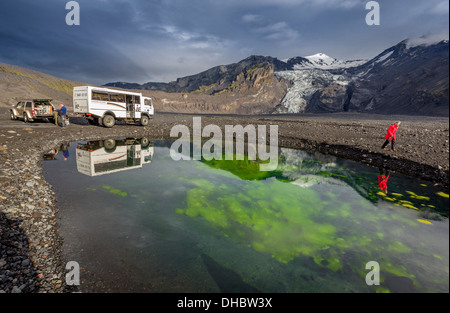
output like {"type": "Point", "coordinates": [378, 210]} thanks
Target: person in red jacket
{"type": "Point", "coordinates": [382, 180]}
{"type": "Point", "coordinates": [391, 136]}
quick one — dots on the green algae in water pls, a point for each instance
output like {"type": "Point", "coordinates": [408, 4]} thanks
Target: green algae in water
{"type": "Point", "coordinates": [243, 168]}
{"type": "Point", "coordinates": [286, 222]}
{"type": "Point", "coordinates": [280, 224]}
{"type": "Point", "coordinates": [114, 191]}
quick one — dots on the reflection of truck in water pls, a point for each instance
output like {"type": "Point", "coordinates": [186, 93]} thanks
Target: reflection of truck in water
{"type": "Point", "coordinates": [108, 156]}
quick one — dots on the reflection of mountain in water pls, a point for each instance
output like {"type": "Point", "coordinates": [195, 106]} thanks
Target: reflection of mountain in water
{"type": "Point", "coordinates": [226, 279]}
{"type": "Point", "coordinates": [307, 169]}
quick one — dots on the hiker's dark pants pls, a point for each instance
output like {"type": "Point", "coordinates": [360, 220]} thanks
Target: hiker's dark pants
{"type": "Point", "coordinates": [387, 143]}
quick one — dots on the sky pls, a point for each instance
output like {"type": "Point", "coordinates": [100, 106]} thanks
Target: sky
{"type": "Point", "coordinates": [143, 41]}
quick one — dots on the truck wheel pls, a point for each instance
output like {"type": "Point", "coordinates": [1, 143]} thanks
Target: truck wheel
{"type": "Point", "coordinates": [109, 121]}
{"type": "Point", "coordinates": [110, 145]}
{"type": "Point", "coordinates": [144, 142]}
{"type": "Point", "coordinates": [145, 120]}
{"type": "Point", "coordinates": [12, 115]}
{"type": "Point", "coordinates": [25, 118]}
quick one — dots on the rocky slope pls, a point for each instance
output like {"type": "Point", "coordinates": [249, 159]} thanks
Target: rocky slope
{"type": "Point", "coordinates": [403, 79]}
{"type": "Point", "coordinates": [20, 83]}
{"type": "Point", "coordinates": [212, 81]}
{"type": "Point", "coordinates": [245, 88]}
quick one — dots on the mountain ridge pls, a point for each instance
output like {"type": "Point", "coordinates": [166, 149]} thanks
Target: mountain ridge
{"type": "Point", "coordinates": [403, 79]}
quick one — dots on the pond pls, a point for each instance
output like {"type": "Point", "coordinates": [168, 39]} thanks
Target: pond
{"type": "Point", "coordinates": [138, 221]}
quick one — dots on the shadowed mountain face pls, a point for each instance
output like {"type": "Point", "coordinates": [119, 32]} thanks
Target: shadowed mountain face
{"type": "Point", "coordinates": [403, 80]}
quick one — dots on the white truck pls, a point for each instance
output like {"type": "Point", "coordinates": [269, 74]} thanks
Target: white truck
{"type": "Point", "coordinates": [103, 106]}
{"type": "Point", "coordinates": [102, 157]}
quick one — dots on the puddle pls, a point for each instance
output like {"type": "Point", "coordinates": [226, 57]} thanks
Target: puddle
{"type": "Point", "coordinates": [137, 221]}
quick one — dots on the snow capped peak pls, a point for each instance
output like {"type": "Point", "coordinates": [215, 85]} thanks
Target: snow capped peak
{"type": "Point", "coordinates": [321, 59]}
{"type": "Point", "coordinates": [325, 62]}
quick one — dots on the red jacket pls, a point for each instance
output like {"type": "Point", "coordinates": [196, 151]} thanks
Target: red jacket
{"type": "Point", "coordinates": [392, 133]}
{"type": "Point", "coordinates": [382, 182]}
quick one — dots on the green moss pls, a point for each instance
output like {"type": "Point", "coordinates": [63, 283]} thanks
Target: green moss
{"type": "Point", "coordinates": [398, 247]}
{"type": "Point", "coordinates": [204, 89]}
{"type": "Point", "coordinates": [381, 289]}
{"type": "Point", "coordinates": [280, 224]}
{"type": "Point", "coordinates": [256, 68]}
{"type": "Point", "coordinates": [52, 83]}
{"type": "Point", "coordinates": [114, 191]}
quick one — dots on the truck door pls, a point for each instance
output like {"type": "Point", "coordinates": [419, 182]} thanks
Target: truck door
{"type": "Point", "coordinates": [20, 108]}
{"type": "Point", "coordinates": [130, 106]}
{"type": "Point", "coordinates": [137, 103]}
{"type": "Point", "coordinates": [29, 107]}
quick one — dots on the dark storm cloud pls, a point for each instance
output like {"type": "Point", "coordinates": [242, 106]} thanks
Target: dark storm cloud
{"type": "Point", "coordinates": [34, 34]}
{"type": "Point", "coordinates": [142, 40]}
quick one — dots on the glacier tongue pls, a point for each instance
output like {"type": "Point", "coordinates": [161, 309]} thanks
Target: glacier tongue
{"type": "Point", "coordinates": [306, 83]}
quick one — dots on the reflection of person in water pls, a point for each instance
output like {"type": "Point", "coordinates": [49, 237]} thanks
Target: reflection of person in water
{"type": "Point", "coordinates": [383, 179]}
{"type": "Point", "coordinates": [51, 155]}
{"type": "Point", "coordinates": [65, 149]}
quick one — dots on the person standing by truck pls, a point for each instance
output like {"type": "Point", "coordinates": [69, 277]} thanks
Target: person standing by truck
{"type": "Point", "coordinates": [55, 116]}
{"type": "Point", "coordinates": [63, 115]}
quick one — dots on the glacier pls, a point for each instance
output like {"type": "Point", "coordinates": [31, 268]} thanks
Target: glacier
{"type": "Point", "coordinates": [311, 74]}
{"type": "Point", "coordinates": [305, 83]}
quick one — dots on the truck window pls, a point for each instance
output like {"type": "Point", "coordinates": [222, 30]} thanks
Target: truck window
{"type": "Point", "coordinates": [148, 102]}
{"type": "Point", "coordinates": [28, 106]}
{"type": "Point", "coordinates": [137, 99]}
{"type": "Point", "coordinates": [129, 99]}
{"type": "Point", "coordinates": [100, 96]}
{"type": "Point", "coordinates": [117, 98]}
